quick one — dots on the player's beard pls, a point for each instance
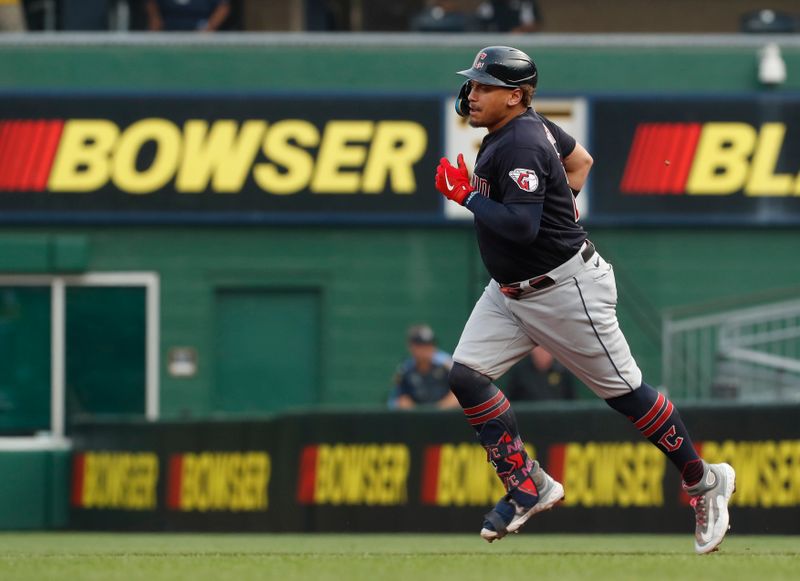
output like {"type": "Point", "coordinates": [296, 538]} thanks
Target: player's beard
{"type": "Point", "coordinates": [474, 123]}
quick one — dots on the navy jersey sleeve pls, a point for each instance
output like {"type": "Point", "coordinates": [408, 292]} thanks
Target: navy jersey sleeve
{"type": "Point", "coordinates": [522, 175]}
{"type": "Point", "coordinates": [564, 141]}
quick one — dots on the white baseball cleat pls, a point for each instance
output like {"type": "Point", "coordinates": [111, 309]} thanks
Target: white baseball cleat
{"type": "Point", "coordinates": [710, 501]}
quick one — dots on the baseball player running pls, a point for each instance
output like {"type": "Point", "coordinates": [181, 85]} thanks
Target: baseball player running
{"type": "Point", "coordinates": [549, 287]}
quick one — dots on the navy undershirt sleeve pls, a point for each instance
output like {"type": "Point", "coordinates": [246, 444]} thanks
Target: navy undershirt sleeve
{"type": "Point", "coordinates": [516, 222]}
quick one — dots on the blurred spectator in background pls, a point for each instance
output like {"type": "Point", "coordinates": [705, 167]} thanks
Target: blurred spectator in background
{"type": "Point", "coordinates": [440, 16]}
{"type": "Point", "coordinates": [187, 15]}
{"type": "Point", "coordinates": [326, 15]}
{"type": "Point", "coordinates": [421, 380]}
{"type": "Point", "coordinates": [538, 377]}
{"type": "Point", "coordinates": [509, 15]}
{"type": "Point", "coordinates": [12, 18]}
{"type": "Point", "coordinates": [768, 21]}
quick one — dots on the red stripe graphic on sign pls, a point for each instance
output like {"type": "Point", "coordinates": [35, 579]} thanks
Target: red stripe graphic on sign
{"type": "Point", "coordinates": [31, 150]}
{"type": "Point", "coordinates": [652, 143]}
{"type": "Point", "coordinates": [673, 138]}
{"type": "Point", "coordinates": [660, 158]}
{"type": "Point", "coordinates": [5, 148]}
{"type": "Point", "coordinates": [307, 479]}
{"type": "Point", "coordinates": [683, 159]}
{"type": "Point", "coordinates": [42, 151]}
{"type": "Point", "coordinates": [17, 154]}
{"type": "Point", "coordinates": [430, 474]}
{"type": "Point", "coordinates": [78, 471]}
{"type": "Point", "coordinates": [175, 481]}
{"type": "Point", "coordinates": [27, 151]}
{"type": "Point", "coordinates": [632, 169]}
{"type": "Point", "coordinates": [653, 162]}
{"type": "Point", "coordinates": [48, 155]}
{"type": "Point", "coordinates": [555, 461]}
{"type": "Point", "coordinates": [7, 153]}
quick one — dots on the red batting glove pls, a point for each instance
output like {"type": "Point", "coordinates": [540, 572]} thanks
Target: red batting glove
{"type": "Point", "coordinates": [453, 182]}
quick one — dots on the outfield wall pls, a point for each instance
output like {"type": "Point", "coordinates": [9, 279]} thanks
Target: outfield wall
{"type": "Point", "coordinates": [316, 62]}
{"type": "Point", "coordinates": [33, 490]}
{"type": "Point", "coordinates": [361, 281]}
{"type": "Point", "coordinates": [371, 472]}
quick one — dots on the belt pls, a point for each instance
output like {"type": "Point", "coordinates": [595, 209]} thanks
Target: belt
{"type": "Point", "coordinates": [516, 290]}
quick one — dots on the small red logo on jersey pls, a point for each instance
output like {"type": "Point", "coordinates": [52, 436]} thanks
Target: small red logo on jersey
{"type": "Point", "coordinates": [525, 179]}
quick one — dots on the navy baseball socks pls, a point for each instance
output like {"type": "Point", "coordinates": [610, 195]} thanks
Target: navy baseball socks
{"type": "Point", "coordinates": [529, 489]}
{"type": "Point", "coordinates": [659, 421]}
{"type": "Point", "coordinates": [710, 486]}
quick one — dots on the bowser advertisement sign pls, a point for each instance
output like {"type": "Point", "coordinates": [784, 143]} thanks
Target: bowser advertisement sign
{"type": "Point", "coordinates": [380, 471]}
{"type": "Point", "coordinates": [696, 160]}
{"type": "Point", "coordinates": [118, 158]}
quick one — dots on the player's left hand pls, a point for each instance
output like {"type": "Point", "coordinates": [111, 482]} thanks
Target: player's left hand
{"type": "Point", "coordinates": [453, 182]}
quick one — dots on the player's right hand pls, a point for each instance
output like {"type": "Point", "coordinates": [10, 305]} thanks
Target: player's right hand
{"type": "Point", "coordinates": [453, 182]}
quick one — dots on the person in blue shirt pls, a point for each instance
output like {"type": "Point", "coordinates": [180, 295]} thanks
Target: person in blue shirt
{"type": "Point", "coordinates": [421, 380]}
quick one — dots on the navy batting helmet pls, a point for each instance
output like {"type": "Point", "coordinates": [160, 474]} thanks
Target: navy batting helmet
{"type": "Point", "coordinates": [500, 66]}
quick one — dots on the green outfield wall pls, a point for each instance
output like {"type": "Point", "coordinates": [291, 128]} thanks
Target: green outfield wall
{"type": "Point", "coordinates": [376, 281]}
{"type": "Point", "coordinates": [34, 490]}
{"type": "Point", "coordinates": [361, 285]}
{"type": "Point", "coordinates": [580, 63]}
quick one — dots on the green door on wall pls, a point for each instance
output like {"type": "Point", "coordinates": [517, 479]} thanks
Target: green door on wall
{"type": "Point", "coordinates": [267, 350]}
{"type": "Point", "coordinates": [105, 351]}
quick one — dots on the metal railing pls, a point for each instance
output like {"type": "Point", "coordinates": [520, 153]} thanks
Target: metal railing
{"type": "Point", "coordinates": [748, 354]}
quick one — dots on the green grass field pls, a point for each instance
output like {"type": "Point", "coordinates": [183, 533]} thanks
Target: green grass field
{"type": "Point", "coordinates": [201, 557]}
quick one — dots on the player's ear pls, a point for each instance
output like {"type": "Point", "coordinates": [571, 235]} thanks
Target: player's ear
{"type": "Point", "coordinates": [514, 97]}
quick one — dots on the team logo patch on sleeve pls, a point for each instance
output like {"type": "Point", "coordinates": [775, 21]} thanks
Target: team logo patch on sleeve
{"type": "Point", "coordinates": [525, 179]}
